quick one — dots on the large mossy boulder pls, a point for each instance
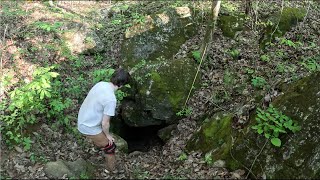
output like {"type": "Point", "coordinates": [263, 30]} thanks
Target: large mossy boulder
{"type": "Point", "coordinates": [162, 83]}
{"type": "Point", "coordinates": [231, 24]}
{"type": "Point", "coordinates": [281, 23]}
{"type": "Point", "coordinates": [299, 155]}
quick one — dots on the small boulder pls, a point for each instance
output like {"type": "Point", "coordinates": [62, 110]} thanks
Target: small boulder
{"type": "Point", "coordinates": [165, 133]}
{"type": "Point", "coordinates": [81, 39]}
{"type": "Point", "coordinates": [76, 169]}
{"type": "Point", "coordinates": [121, 144]}
{"type": "Point", "coordinates": [57, 170]}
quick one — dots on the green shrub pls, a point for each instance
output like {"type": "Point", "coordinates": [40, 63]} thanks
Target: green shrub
{"type": "Point", "coordinates": [29, 102]}
{"type": "Point", "coordinates": [196, 55]}
{"type": "Point", "coordinates": [258, 82]}
{"type": "Point", "coordinates": [272, 122]}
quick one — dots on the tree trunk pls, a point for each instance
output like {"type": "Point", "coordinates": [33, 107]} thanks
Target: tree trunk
{"type": "Point", "coordinates": [215, 8]}
{"type": "Point", "coordinates": [248, 7]}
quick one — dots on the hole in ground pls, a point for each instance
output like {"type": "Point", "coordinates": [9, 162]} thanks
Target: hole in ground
{"type": "Point", "coordinates": [142, 138]}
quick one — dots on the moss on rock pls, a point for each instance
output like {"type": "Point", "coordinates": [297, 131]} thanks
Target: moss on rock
{"type": "Point", "coordinates": [214, 136]}
{"type": "Point", "coordinates": [285, 21]}
{"type": "Point", "coordinates": [230, 25]}
{"type": "Point", "coordinates": [299, 154]}
{"type": "Point", "coordinates": [163, 83]}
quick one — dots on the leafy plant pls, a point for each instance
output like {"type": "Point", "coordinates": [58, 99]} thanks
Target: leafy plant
{"type": "Point", "coordinates": [311, 65]}
{"type": "Point", "coordinates": [196, 55]}
{"type": "Point", "coordinates": [120, 95]}
{"type": "Point", "coordinates": [265, 58]}
{"type": "Point", "coordinates": [182, 157]}
{"type": "Point", "coordinates": [185, 112]}
{"type": "Point", "coordinates": [208, 158]}
{"type": "Point", "coordinates": [26, 143]}
{"type": "Point", "coordinates": [234, 53]}
{"type": "Point", "coordinates": [38, 98]}
{"type": "Point", "coordinates": [272, 122]}
{"type": "Point", "coordinates": [48, 26]}
{"type": "Point", "coordinates": [258, 82]}
{"type": "Point", "coordinates": [102, 74]}
{"type": "Point", "coordinates": [249, 71]}
{"type": "Point", "coordinates": [288, 42]}
{"type": "Point", "coordinates": [281, 68]}
{"type": "Point", "coordinates": [138, 18]}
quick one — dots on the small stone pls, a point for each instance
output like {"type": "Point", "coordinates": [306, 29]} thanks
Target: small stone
{"type": "Point", "coordinates": [241, 172]}
{"type": "Point", "coordinates": [235, 176]}
{"type": "Point", "coordinates": [219, 164]}
{"type": "Point", "coordinates": [18, 149]}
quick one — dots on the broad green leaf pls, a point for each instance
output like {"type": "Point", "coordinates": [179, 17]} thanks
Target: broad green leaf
{"type": "Point", "coordinates": [47, 93]}
{"type": "Point", "coordinates": [262, 117]}
{"type": "Point", "coordinates": [276, 142]}
{"type": "Point", "coordinates": [53, 74]}
{"type": "Point", "coordinates": [260, 131]}
{"type": "Point", "coordinates": [267, 135]}
{"type": "Point", "coordinates": [42, 94]}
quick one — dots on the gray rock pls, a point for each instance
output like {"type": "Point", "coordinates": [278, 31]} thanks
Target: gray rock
{"type": "Point", "coordinates": [165, 133]}
{"type": "Point", "coordinates": [121, 144]}
{"type": "Point", "coordinates": [219, 164]}
{"type": "Point", "coordinates": [75, 169]}
{"type": "Point", "coordinates": [299, 155]}
{"type": "Point", "coordinates": [57, 169]}
{"type": "Point", "coordinates": [78, 167]}
{"type": "Point", "coordinates": [81, 39]}
{"type": "Point", "coordinates": [162, 83]}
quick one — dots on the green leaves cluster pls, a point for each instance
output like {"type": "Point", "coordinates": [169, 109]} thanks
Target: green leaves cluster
{"type": "Point", "coordinates": [272, 122]}
{"type": "Point", "coordinates": [258, 82]}
{"type": "Point", "coordinates": [185, 112]}
{"type": "Point", "coordinates": [102, 75]}
{"type": "Point", "coordinates": [234, 53]}
{"type": "Point", "coordinates": [48, 26]}
{"type": "Point", "coordinates": [208, 158]}
{"type": "Point", "coordinates": [197, 56]}
{"type": "Point", "coordinates": [29, 102]}
{"type": "Point", "coordinates": [312, 64]}
{"type": "Point", "coordinates": [182, 157]}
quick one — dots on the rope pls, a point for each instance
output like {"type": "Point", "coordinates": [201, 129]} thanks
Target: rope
{"type": "Point", "coordinates": [195, 77]}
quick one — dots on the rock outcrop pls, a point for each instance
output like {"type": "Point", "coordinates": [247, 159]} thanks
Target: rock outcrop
{"type": "Point", "coordinates": [299, 155]}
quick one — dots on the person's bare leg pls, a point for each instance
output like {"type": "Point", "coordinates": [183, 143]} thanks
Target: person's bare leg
{"type": "Point", "coordinates": [101, 141]}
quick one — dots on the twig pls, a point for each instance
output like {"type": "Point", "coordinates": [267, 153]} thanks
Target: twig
{"type": "Point", "coordinates": [256, 159]}
{"type": "Point", "coordinates": [239, 161]}
{"type": "Point", "coordinates": [209, 100]}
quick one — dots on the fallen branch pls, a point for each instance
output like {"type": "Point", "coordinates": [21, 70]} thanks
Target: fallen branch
{"type": "Point", "coordinates": [256, 159]}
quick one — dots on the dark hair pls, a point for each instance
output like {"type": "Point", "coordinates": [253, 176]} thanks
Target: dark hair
{"type": "Point", "coordinates": [120, 77]}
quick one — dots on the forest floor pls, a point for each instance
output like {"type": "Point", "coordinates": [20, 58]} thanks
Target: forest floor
{"type": "Point", "coordinates": [226, 86]}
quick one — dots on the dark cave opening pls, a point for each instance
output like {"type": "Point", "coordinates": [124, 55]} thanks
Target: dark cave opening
{"type": "Point", "coordinates": [142, 138]}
